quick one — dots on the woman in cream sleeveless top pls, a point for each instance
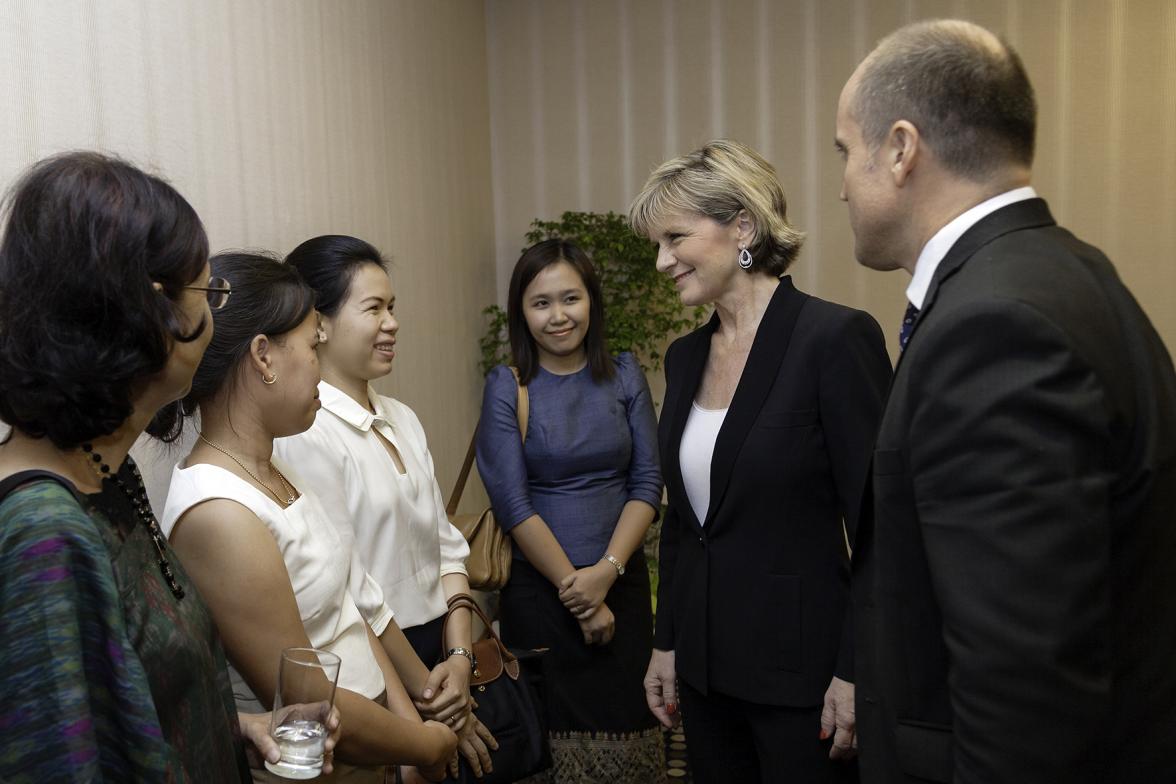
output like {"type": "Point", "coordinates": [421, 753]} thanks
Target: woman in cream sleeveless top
{"type": "Point", "coordinates": [319, 557]}
{"type": "Point", "coordinates": [274, 567]}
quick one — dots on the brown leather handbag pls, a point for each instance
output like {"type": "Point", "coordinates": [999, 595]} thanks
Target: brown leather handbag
{"type": "Point", "coordinates": [490, 555]}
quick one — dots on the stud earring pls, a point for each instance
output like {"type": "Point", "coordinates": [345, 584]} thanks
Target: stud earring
{"type": "Point", "coordinates": [745, 259]}
{"type": "Point", "coordinates": [269, 381]}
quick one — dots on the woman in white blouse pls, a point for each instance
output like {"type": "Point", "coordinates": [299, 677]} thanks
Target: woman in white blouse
{"type": "Point", "coordinates": [274, 567]}
{"type": "Point", "coordinates": [366, 457]}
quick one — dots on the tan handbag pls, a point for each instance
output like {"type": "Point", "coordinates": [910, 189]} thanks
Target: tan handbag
{"type": "Point", "coordinates": [490, 555]}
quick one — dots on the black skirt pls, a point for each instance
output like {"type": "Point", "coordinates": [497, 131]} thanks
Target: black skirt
{"type": "Point", "coordinates": [600, 725]}
{"type": "Point", "coordinates": [425, 639]}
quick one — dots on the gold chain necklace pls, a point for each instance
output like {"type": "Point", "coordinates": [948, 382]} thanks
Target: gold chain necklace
{"type": "Point", "coordinates": [289, 488]}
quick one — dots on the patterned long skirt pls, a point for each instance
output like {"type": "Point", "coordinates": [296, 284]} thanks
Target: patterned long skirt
{"type": "Point", "coordinates": [601, 729]}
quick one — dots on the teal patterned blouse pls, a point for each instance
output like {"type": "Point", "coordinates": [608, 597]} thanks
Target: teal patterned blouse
{"type": "Point", "coordinates": [104, 675]}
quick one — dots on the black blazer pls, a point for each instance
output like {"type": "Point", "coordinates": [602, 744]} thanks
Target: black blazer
{"type": "Point", "coordinates": [1015, 591]}
{"type": "Point", "coordinates": [754, 602]}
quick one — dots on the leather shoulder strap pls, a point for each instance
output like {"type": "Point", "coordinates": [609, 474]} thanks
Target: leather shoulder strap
{"type": "Point", "coordinates": [523, 411]}
{"type": "Point", "coordinates": [523, 405]}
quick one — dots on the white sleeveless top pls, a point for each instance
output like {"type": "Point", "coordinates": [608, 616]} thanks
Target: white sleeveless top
{"type": "Point", "coordinates": [319, 556]}
{"type": "Point", "coordinates": [695, 454]}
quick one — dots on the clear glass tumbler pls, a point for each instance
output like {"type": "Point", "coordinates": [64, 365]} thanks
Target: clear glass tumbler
{"type": "Point", "coordinates": [306, 692]}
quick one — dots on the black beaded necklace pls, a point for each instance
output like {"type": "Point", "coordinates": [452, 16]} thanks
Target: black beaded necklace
{"type": "Point", "coordinates": [138, 497]}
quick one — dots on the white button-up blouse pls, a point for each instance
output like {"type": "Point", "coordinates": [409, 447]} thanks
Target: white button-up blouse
{"type": "Point", "coordinates": [401, 530]}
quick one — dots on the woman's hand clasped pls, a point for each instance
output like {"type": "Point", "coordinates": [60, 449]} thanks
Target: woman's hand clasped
{"type": "Point", "coordinates": [446, 694]}
{"type": "Point", "coordinates": [474, 742]}
{"type": "Point", "coordinates": [584, 590]}
{"type": "Point", "coordinates": [599, 626]}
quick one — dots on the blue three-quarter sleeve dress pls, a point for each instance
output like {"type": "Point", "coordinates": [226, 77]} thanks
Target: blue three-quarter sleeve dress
{"type": "Point", "coordinates": [591, 448]}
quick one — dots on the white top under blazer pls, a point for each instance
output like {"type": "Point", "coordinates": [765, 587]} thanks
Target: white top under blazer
{"type": "Point", "coordinates": [399, 520]}
{"type": "Point", "coordinates": [323, 564]}
{"type": "Point", "coordinates": [695, 454]}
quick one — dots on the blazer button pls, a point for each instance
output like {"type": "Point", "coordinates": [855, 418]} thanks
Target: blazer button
{"type": "Point", "coordinates": [702, 541]}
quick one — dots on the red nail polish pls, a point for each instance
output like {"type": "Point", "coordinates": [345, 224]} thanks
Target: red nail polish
{"type": "Point", "coordinates": [672, 708]}
{"type": "Point", "coordinates": [825, 734]}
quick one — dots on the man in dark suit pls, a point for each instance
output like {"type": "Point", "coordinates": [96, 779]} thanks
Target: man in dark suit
{"type": "Point", "coordinates": [1015, 590]}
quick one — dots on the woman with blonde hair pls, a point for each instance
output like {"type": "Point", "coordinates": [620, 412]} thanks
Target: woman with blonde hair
{"type": "Point", "coordinates": [765, 435]}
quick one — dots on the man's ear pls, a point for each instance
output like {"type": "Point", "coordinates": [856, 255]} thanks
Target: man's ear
{"type": "Point", "coordinates": [902, 147]}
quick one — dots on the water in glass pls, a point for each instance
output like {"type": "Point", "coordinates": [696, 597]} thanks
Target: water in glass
{"type": "Point", "coordinates": [301, 743]}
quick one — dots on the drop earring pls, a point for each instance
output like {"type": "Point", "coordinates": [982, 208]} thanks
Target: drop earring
{"type": "Point", "coordinates": [745, 259]}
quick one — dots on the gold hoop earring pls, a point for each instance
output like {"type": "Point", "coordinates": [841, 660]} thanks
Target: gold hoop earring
{"type": "Point", "coordinates": [269, 381]}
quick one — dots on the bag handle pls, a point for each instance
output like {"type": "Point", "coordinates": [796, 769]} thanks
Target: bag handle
{"type": "Point", "coordinates": [522, 408]}
{"type": "Point", "coordinates": [503, 662]}
{"type": "Point", "coordinates": [458, 600]}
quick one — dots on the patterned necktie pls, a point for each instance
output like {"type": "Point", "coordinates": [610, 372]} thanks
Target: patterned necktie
{"type": "Point", "coordinates": [908, 324]}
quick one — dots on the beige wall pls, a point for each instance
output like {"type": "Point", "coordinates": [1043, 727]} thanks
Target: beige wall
{"type": "Point", "coordinates": [439, 128]}
{"type": "Point", "coordinates": [283, 119]}
{"type": "Point", "coordinates": [588, 96]}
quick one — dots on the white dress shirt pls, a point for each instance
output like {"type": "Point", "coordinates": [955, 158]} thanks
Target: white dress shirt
{"type": "Point", "coordinates": [399, 520]}
{"type": "Point", "coordinates": [323, 564]}
{"type": "Point", "coordinates": [937, 247]}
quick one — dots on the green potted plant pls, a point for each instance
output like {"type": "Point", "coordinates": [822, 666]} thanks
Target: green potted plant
{"type": "Point", "coordinates": [640, 304]}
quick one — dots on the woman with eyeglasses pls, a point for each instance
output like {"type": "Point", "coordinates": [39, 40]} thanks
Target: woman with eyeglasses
{"type": "Point", "coordinates": [277, 569]}
{"type": "Point", "coordinates": [110, 667]}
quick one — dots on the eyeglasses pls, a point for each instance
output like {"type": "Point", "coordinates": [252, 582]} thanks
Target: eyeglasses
{"type": "Point", "coordinates": [218, 291]}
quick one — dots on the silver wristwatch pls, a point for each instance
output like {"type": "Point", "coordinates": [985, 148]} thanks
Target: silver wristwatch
{"type": "Point", "coordinates": [466, 652]}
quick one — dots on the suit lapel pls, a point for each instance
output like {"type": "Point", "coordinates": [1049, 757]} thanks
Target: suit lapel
{"type": "Point", "coordinates": [759, 374]}
{"type": "Point", "coordinates": [1027, 214]}
{"type": "Point", "coordinates": [680, 396]}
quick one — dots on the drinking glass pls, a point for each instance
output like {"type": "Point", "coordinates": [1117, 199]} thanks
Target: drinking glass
{"type": "Point", "coordinates": [306, 692]}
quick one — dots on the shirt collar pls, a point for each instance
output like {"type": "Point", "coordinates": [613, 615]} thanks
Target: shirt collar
{"type": "Point", "coordinates": [937, 247]}
{"type": "Point", "coordinates": [341, 405]}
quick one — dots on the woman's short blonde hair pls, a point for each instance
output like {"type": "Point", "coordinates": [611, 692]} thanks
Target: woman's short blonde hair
{"type": "Point", "coordinates": [719, 180]}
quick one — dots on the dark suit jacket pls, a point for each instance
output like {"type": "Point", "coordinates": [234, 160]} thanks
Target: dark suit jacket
{"type": "Point", "coordinates": [753, 603]}
{"type": "Point", "coordinates": [1014, 593]}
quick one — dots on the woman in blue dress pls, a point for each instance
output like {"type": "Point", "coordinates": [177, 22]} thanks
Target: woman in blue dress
{"type": "Point", "coordinates": [576, 495]}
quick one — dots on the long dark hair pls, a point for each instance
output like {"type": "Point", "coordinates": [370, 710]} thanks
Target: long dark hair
{"type": "Point", "coordinates": [329, 263]}
{"type": "Point", "coordinates": [269, 298]}
{"type": "Point", "coordinates": [534, 260]}
{"type": "Point", "coordinates": [81, 322]}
